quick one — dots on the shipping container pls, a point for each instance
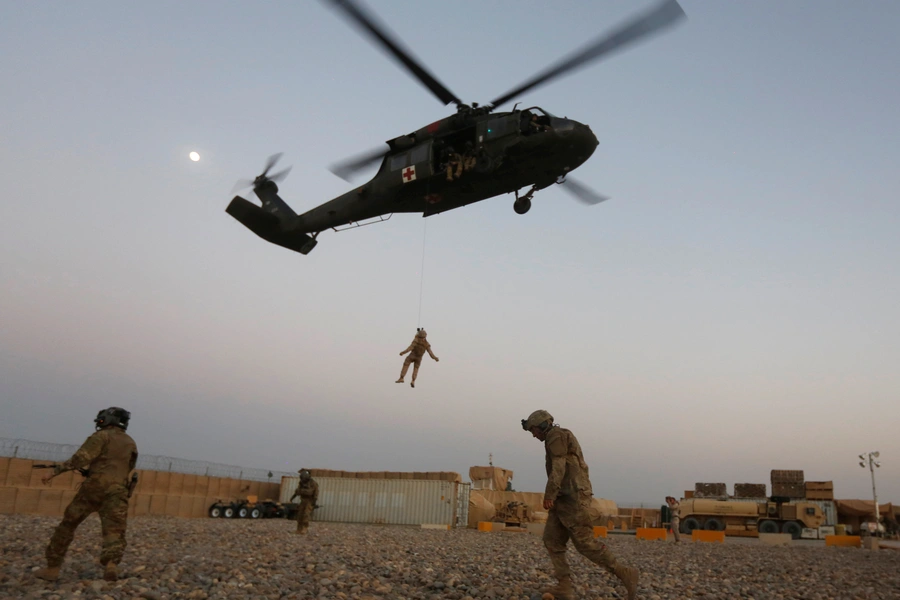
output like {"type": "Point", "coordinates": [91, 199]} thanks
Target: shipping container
{"type": "Point", "coordinates": [829, 508]}
{"type": "Point", "coordinates": [387, 501]}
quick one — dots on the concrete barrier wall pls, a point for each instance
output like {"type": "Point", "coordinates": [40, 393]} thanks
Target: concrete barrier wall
{"type": "Point", "coordinates": [157, 492]}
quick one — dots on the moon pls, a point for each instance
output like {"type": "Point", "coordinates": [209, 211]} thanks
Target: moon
{"type": "Point", "coordinates": [194, 156]}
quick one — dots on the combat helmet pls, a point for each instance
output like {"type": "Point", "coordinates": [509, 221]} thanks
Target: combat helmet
{"type": "Point", "coordinates": [420, 332]}
{"type": "Point", "coordinates": [113, 416]}
{"type": "Point", "coordinates": [539, 418]}
{"type": "Point", "coordinates": [304, 474]}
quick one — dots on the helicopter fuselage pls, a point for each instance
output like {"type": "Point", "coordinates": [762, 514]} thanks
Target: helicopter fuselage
{"type": "Point", "coordinates": [510, 150]}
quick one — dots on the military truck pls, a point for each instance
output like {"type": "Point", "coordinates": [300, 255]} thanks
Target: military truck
{"type": "Point", "coordinates": [776, 515]}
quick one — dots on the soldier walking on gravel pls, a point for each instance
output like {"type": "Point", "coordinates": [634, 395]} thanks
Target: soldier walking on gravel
{"type": "Point", "coordinates": [675, 521]}
{"type": "Point", "coordinates": [308, 490]}
{"type": "Point", "coordinates": [567, 499]}
{"type": "Point", "coordinates": [109, 455]}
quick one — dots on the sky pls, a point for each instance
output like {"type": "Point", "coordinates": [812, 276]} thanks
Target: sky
{"type": "Point", "coordinates": [732, 309]}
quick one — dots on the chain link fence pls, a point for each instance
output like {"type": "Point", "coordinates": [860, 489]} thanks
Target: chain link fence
{"type": "Point", "coordinates": [50, 452]}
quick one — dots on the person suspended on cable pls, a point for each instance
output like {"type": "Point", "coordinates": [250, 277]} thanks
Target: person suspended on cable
{"type": "Point", "coordinates": [417, 350]}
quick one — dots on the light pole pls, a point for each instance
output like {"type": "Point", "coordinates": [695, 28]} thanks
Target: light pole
{"type": "Point", "coordinates": [872, 456]}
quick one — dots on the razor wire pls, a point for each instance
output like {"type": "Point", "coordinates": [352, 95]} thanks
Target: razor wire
{"type": "Point", "coordinates": [29, 449]}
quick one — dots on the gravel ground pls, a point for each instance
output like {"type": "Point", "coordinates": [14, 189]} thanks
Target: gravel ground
{"type": "Point", "coordinates": [171, 558]}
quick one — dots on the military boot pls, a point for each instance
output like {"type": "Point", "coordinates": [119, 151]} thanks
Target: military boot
{"type": "Point", "coordinates": [399, 380]}
{"type": "Point", "coordinates": [562, 590]}
{"type": "Point", "coordinates": [111, 573]}
{"type": "Point", "coordinates": [629, 578]}
{"type": "Point", "coordinates": [47, 573]}
{"type": "Point", "coordinates": [412, 384]}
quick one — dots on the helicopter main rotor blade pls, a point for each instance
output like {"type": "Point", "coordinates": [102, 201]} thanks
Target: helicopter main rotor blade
{"type": "Point", "coordinates": [367, 22]}
{"type": "Point", "coordinates": [348, 167]}
{"type": "Point", "coordinates": [581, 192]}
{"type": "Point", "coordinates": [665, 14]}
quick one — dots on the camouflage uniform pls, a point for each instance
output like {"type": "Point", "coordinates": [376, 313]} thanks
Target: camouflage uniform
{"type": "Point", "coordinates": [454, 164]}
{"type": "Point", "coordinates": [110, 455]}
{"type": "Point", "coordinates": [417, 350]}
{"type": "Point", "coordinates": [309, 494]}
{"type": "Point", "coordinates": [569, 488]}
{"type": "Point", "coordinates": [676, 519]}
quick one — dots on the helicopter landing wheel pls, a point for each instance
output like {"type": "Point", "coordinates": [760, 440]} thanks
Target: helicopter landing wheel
{"type": "Point", "coordinates": [522, 206]}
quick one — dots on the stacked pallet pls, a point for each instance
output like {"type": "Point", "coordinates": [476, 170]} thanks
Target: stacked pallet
{"type": "Point", "coordinates": [749, 490]}
{"type": "Point", "coordinates": [819, 490]}
{"type": "Point", "coordinates": [788, 484]}
{"type": "Point", "coordinates": [710, 490]}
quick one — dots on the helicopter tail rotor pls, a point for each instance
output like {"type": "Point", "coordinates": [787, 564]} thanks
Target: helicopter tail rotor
{"type": "Point", "coordinates": [274, 221]}
{"type": "Point", "coordinates": [263, 177]}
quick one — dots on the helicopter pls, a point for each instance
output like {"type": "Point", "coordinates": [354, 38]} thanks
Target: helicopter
{"type": "Point", "coordinates": [475, 154]}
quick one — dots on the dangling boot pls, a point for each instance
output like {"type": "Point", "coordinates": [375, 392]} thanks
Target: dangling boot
{"type": "Point", "coordinates": [47, 573]}
{"type": "Point", "coordinates": [399, 380]}
{"type": "Point", "coordinates": [412, 384]}
{"type": "Point", "coordinates": [111, 572]}
{"type": "Point", "coordinates": [562, 590]}
{"type": "Point", "coordinates": [629, 578]}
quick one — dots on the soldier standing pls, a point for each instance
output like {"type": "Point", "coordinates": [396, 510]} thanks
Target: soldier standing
{"type": "Point", "coordinates": [567, 499]}
{"type": "Point", "coordinates": [308, 490]}
{"type": "Point", "coordinates": [417, 350]}
{"type": "Point", "coordinates": [109, 455]}
{"type": "Point", "coordinates": [676, 517]}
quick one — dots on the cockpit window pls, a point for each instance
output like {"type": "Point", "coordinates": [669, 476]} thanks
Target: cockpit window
{"type": "Point", "coordinates": [534, 120]}
{"type": "Point", "coordinates": [540, 111]}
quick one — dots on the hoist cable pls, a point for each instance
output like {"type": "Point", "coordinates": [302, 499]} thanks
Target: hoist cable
{"type": "Point", "coordinates": [422, 274]}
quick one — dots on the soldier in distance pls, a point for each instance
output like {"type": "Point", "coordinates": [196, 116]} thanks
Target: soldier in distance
{"type": "Point", "coordinates": [308, 490]}
{"type": "Point", "coordinates": [567, 498]}
{"type": "Point", "coordinates": [110, 455]}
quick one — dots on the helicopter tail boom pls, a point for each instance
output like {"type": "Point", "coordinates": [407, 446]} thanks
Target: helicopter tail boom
{"type": "Point", "coordinates": [268, 226]}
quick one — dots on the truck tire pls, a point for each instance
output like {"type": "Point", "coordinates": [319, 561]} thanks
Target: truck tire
{"type": "Point", "coordinates": [767, 526]}
{"type": "Point", "coordinates": [215, 511]}
{"type": "Point", "coordinates": [255, 513]}
{"type": "Point", "coordinates": [229, 512]}
{"type": "Point", "coordinates": [243, 512]}
{"type": "Point", "coordinates": [714, 525]}
{"type": "Point", "coordinates": [689, 524]}
{"type": "Point", "coordinates": [792, 527]}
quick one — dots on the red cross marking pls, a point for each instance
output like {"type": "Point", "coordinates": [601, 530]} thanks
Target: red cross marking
{"type": "Point", "coordinates": [408, 173]}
